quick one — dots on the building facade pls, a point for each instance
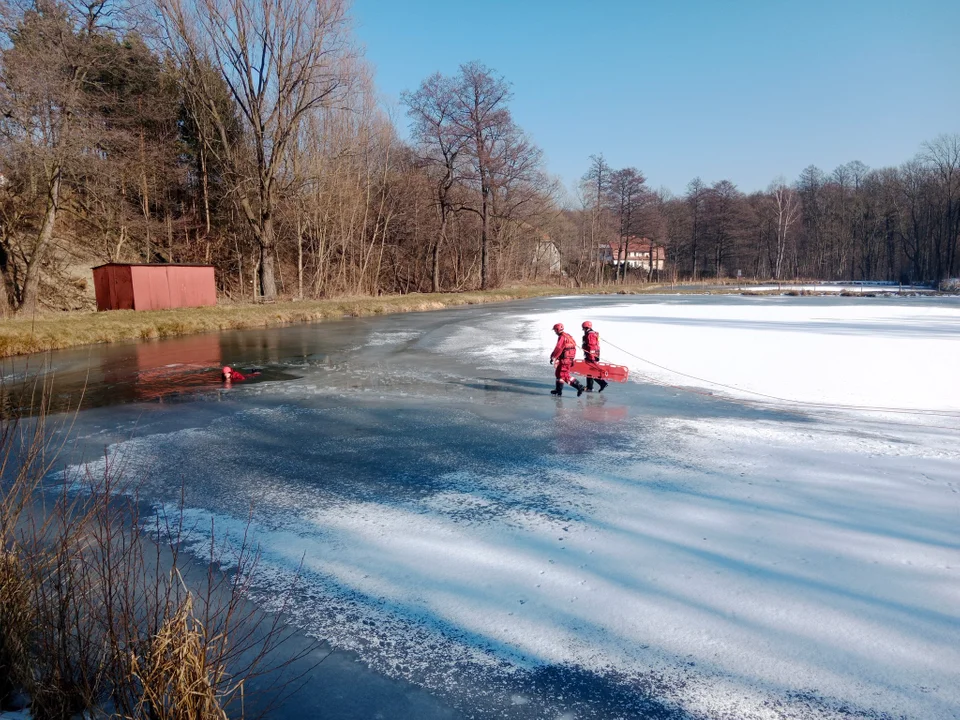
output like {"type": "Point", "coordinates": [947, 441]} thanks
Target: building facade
{"type": "Point", "coordinates": [634, 253]}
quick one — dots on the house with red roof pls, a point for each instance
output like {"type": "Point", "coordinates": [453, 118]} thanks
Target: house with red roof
{"type": "Point", "coordinates": [635, 252]}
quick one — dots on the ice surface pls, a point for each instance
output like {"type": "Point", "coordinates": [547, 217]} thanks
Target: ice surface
{"type": "Point", "coordinates": [644, 553]}
{"type": "Point", "coordinates": [882, 356]}
{"type": "Point", "coordinates": [852, 288]}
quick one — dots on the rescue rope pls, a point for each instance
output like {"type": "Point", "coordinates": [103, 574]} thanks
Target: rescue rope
{"type": "Point", "coordinates": [802, 403]}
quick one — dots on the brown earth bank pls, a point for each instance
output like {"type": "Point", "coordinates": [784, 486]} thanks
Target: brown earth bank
{"type": "Point", "coordinates": [58, 330]}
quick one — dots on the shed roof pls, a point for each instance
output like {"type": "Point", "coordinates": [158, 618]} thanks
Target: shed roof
{"type": "Point", "coordinates": [117, 264]}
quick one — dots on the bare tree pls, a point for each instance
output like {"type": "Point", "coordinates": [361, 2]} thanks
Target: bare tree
{"type": "Point", "coordinates": [483, 120]}
{"type": "Point", "coordinates": [858, 217]}
{"type": "Point", "coordinates": [788, 210]}
{"type": "Point", "coordinates": [50, 53]}
{"type": "Point", "coordinates": [943, 155]}
{"type": "Point", "coordinates": [810, 186]}
{"type": "Point", "coordinates": [595, 184]}
{"type": "Point", "coordinates": [654, 215]}
{"type": "Point", "coordinates": [480, 163]}
{"type": "Point", "coordinates": [626, 194]}
{"type": "Point", "coordinates": [282, 60]}
{"type": "Point", "coordinates": [696, 196]}
{"type": "Point", "coordinates": [523, 201]}
{"type": "Point", "coordinates": [432, 110]}
{"type": "Point", "coordinates": [725, 207]}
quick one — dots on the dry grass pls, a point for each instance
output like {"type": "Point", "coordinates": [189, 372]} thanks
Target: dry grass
{"type": "Point", "coordinates": [17, 618]}
{"type": "Point", "coordinates": [95, 616]}
{"type": "Point", "coordinates": [179, 679]}
{"type": "Point", "coordinates": [55, 331]}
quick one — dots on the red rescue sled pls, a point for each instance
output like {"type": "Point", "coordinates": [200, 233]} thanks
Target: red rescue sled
{"type": "Point", "coordinates": [601, 370]}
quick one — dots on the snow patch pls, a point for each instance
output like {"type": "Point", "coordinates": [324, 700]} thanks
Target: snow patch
{"type": "Point", "coordinates": [893, 356]}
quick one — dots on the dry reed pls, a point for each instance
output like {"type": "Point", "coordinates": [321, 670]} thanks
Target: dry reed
{"type": "Point", "coordinates": [17, 618]}
{"type": "Point", "coordinates": [93, 614]}
{"type": "Point", "coordinates": [178, 680]}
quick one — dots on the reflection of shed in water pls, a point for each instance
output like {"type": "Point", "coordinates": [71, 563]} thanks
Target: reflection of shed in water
{"type": "Point", "coordinates": [198, 350]}
{"type": "Point", "coordinates": [127, 286]}
{"type": "Point", "coordinates": [165, 367]}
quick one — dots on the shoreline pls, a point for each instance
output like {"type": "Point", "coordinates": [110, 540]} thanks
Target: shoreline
{"type": "Point", "coordinates": [59, 331]}
{"type": "Point", "coordinates": [50, 331]}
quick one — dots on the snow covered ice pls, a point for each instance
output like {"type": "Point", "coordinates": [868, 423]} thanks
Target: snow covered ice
{"type": "Point", "coordinates": [764, 524]}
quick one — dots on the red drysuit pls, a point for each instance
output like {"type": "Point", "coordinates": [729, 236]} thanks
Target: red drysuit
{"type": "Point", "coordinates": [591, 345]}
{"type": "Point", "coordinates": [564, 353]}
{"type": "Point", "coordinates": [234, 376]}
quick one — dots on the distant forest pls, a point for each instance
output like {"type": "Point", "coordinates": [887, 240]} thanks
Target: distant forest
{"type": "Point", "coordinates": [247, 134]}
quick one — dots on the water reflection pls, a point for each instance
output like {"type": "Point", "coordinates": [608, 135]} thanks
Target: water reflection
{"type": "Point", "coordinates": [578, 424]}
{"type": "Point", "coordinates": [602, 410]}
{"type": "Point", "coordinates": [150, 371]}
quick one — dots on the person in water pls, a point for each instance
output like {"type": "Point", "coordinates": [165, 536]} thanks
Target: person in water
{"type": "Point", "coordinates": [228, 374]}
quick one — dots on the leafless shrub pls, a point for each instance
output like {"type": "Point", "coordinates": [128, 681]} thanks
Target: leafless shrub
{"type": "Point", "coordinates": [67, 658]}
{"type": "Point", "coordinates": [96, 615]}
{"type": "Point", "coordinates": [27, 453]}
{"type": "Point", "coordinates": [16, 620]}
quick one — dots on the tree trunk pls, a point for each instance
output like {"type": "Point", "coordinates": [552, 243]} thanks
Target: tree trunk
{"type": "Point", "coordinates": [622, 260]}
{"type": "Point", "coordinates": [7, 284]}
{"type": "Point", "coordinates": [31, 279]}
{"type": "Point", "coordinates": [262, 226]}
{"type": "Point", "coordinates": [436, 250]}
{"type": "Point", "coordinates": [268, 282]}
{"type": "Point", "coordinates": [484, 235]}
{"type": "Point", "coordinates": [205, 184]}
{"type": "Point", "coordinates": [169, 222]}
{"type": "Point", "coordinates": [299, 259]}
{"type": "Point", "coordinates": [239, 266]}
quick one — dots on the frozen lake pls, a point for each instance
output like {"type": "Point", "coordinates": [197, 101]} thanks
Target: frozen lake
{"type": "Point", "coordinates": [763, 523]}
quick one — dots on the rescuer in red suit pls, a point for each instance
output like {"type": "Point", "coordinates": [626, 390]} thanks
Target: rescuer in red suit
{"type": "Point", "coordinates": [228, 374]}
{"type": "Point", "coordinates": [564, 354]}
{"type": "Point", "coordinates": [591, 353]}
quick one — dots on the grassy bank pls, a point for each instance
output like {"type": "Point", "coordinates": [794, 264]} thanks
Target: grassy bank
{"type": "Point", "coordinates": [55, 331]}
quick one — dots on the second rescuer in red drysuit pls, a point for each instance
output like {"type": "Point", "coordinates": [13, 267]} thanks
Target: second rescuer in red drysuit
{"type": "Point", "coordinates": [591, 353]}
{"type": "Point", "coordinates": [564, 354]}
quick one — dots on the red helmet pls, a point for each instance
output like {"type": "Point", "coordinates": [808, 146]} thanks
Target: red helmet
{"type": "Point", "coordinates": [558, 328]}
{"type": "Point", "coordinates": [587, 325]}
{"type": "Point", "coordinates": [227, 368]}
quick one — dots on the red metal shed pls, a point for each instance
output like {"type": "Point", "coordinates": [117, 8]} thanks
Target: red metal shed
{"type": "Point", "coordinates": [127, 286]}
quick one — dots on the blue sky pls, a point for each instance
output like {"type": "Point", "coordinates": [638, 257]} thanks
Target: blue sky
{"type": "Point", "coordinates": [744, 91]}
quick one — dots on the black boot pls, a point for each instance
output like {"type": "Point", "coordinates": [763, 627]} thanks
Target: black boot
{"type": "Point", "coordinates": [579, 386]}
{"type": "Point", "coordinates": [602, 384]}
{"type": "Point", "coordinates": [559, 391]}
{"type": "Point", "coordinates": [590, 384]}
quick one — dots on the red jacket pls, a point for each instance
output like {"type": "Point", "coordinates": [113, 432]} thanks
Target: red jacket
{"type": "Point", "coordinates": [591, 343]}
{"type": "Point", "coordinates": [566, 349]}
